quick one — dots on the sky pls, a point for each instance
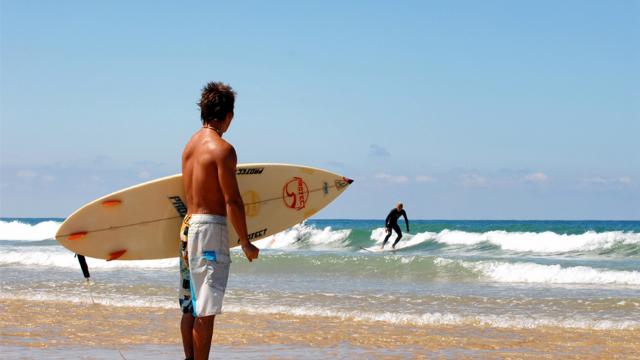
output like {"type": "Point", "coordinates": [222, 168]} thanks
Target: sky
{"type": "Point", "coordinates": [459, 109]}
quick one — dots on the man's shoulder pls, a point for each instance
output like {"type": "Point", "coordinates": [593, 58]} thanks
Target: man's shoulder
{"type": "Point", "coordinates": [223, 153]}
{"type": "Point", "coordinates": [220, 148]}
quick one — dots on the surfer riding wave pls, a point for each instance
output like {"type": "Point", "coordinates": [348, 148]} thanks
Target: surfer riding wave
{"type": "Point", "coordinates": [391, 223]}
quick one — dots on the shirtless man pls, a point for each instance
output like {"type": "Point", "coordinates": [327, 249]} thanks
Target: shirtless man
{"type": "Point", "coordinates": [209, 176]}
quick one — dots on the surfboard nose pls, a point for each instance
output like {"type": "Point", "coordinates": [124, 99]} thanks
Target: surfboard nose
{"type": "Point", "coordinates": [349, 180]}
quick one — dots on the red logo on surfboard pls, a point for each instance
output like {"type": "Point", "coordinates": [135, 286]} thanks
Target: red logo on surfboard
{"type": "Point", "coordinates": [295, 193]}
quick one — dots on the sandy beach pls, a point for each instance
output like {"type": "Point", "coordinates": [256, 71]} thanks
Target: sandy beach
{"type": "Point", "coordinates": [39, 329]}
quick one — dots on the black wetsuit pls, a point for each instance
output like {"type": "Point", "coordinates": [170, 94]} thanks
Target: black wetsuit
{"type": "Point", "coordinates": [392, 223]}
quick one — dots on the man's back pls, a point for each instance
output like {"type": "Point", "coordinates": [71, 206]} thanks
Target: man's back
{"type": "Point", "coordinates": [394, 215]}
{"type": "Point", "coordinates": [201, 159]}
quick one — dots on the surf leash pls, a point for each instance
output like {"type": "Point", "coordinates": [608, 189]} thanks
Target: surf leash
{"type": "Point", "coordinates": [85, 272]}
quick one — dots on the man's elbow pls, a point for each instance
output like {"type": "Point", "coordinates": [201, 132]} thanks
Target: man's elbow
{"type": "Point", "coordinates": [233, 202]}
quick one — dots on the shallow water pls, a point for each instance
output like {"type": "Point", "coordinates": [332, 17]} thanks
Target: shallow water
{"type": "Point", "coordinates": [51, 329]}
{"type": "Point", "coordinates": [502, 275]}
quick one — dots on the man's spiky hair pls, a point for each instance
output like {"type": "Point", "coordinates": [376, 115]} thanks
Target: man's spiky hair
{"type": "Point", "coordinates": [216, 102]}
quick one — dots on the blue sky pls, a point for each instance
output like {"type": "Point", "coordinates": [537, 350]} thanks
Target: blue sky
{"type": "Point", "coordinates": [460, 109]}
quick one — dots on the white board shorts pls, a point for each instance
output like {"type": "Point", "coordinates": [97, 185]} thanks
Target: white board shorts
{"type": "Point", "coordinates": [204, 264]}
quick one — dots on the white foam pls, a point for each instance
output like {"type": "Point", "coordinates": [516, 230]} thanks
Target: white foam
{"type": "Point", "coordinates": [436, 318]}
{"type": "Point", "coordinates": [88, 299]}
{"type": "Point", "coordinates": [543, 242]}
{"type": "Point", "coordinates": [407, 241]}
{"type": "Point", "coordinates": [16, 230]}
{"type": "Point", "coordinates": [424, 319]}
{"type": "Point", "coordinates": [307, 236]}
{"type": "Point", "coordinates": [57, 257]}
{"type": "Point", "coordinates": [546, 274]}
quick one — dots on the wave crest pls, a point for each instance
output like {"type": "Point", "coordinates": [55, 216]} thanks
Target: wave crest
{"type": "Point", "coordinates": [505, 272]}
{"type": "Point", "coordinates": [56, 257]}
{"type": "Point", "coordinates": [17, 230]}
{"type": "Point", "coordinates": [542, 242]}
{"type": "Point", "coordinates": [304, 236]}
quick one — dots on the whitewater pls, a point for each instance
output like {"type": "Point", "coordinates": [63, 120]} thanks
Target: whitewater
{"type": "Point", "coordinates": [521, 274]}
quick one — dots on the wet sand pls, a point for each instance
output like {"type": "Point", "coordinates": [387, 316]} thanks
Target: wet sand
{"type": "Point", "coordinates": [39, 329]}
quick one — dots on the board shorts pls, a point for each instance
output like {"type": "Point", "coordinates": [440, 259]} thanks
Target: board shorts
{"type": "Point", "coordinates": [204, 264]}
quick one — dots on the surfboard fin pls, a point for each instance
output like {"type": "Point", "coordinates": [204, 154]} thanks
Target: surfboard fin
{"type": "Point", "coordinates": [116, 255]}
{"type": "Point", "coordinates": [83, 266]}
{"type": "Point", "coordinates": [78, 235]}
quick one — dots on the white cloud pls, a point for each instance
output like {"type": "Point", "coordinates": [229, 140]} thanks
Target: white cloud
{"type": "Point", "coordinates": [26, 174]}
{"type": "Point", "coordinates": [377, 151]}
{"type": "Point", "coordinates": [599, 180]}
{"type": "Point", "coordinates": [425, 179]}
{"type": "Point", "coordinates": [396, 179]}
{"type": "Point", "coordinates": [96, 179]}
{"type": "Point", "coordinates": [474, 180]}
{"type": "Point", "coordinates": [144, 174]}
{"type": "Point", "coordinates": [537, 177]}
{"type": "Point", "coordinates": [595, 180]}
{"type": "Point", "coordinates": [48, 178]}
{"type": "Point", "coordinates": [625, 180]}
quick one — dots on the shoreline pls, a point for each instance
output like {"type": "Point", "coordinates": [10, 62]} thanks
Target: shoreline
{"type": "Point", "coordinates": [27, 326]}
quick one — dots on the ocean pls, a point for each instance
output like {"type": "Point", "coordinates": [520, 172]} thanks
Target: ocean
{"type": "Point", "coordinates": [580, 275]}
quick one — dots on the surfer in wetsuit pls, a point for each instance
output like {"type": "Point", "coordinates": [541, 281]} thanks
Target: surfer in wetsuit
{"type": "Point", "coordinates": [391, 223]}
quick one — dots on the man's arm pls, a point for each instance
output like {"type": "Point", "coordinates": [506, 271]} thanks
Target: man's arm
{"type": "Point", "coordinates": [406, 221]}
{"type": "Point", "coordinates": [386, 222]}
{"type": "Point", "coordinates": [233, 200]}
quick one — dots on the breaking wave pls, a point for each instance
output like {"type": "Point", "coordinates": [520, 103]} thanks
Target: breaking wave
{"type": "Point", "coordinates": [309, 237]}
{"type": "Point", "coordinates": [17, 230]}
{"type": "Point", "coordinates": [542, 242]}
{"type": "Point", "coordinates": [532, 273]}
{"type": "Point", "coordinates": [304, 236]}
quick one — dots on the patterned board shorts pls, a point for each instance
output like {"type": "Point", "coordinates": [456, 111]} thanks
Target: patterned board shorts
{"type": "Point", "coordinates": [204, 264]}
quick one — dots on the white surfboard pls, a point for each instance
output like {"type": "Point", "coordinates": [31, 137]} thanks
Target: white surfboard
{"type": "Point", "coordinates": [376, 248]}
{"type": "Point", "coordinates": [408, 242]}
{"type": "Point", "coordinates": [143, 221]}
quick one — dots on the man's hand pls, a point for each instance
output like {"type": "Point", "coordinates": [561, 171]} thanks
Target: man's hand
{"type": "Point", "coordinates": [386, 229]}
{"type": "Point", "coordinates": [250, 251]}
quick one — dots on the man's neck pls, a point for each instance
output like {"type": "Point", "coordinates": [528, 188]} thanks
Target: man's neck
{"type": "Point", "coordinates": [215, 129]}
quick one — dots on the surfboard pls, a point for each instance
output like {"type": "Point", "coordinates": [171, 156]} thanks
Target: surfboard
{"type": "Point", "coordinates": [143, 221]}
{"type": "Point", "coordinates": [388, 248]}
{"type": "Point", "coordinates": [405, 244]}
{"type": "Point", "coordinates": [376, 249]}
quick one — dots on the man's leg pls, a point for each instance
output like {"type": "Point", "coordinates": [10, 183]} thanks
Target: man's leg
{"type": "Point", "coordinates": [202, 334]}
{"type": "Point", "coordinates": [399, 232]}
{"type": "Point", "coordinates": [186, 323]}
{"type": "Point", "coordinates": [386, 238]}
{"type": "Point", "coordinates": [186, 329]}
